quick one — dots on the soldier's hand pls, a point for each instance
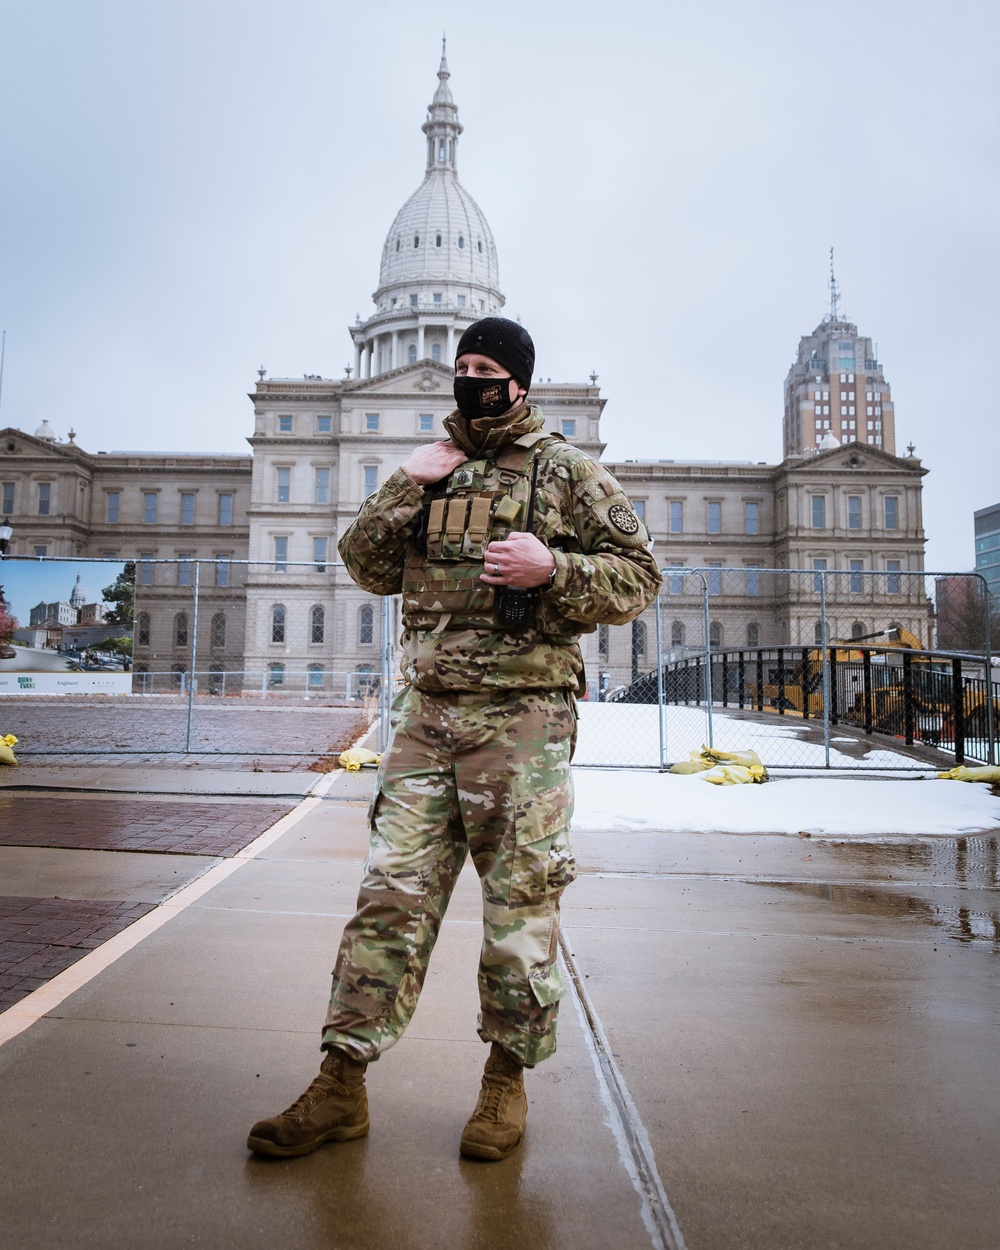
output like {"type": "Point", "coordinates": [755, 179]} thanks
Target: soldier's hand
{"type": "Point", "coordinates": [520, 560]}
{"type": "Point", "coordinates": [433, 461]}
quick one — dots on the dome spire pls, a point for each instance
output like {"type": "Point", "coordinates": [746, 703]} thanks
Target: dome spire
{"type": "Point", "coordinates": [442, 126]}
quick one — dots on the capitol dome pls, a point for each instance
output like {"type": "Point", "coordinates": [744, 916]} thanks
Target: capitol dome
{"type": "Point", "coordinates": [439, 263]}
{"type": "Point", "coordinates": [440, 234]}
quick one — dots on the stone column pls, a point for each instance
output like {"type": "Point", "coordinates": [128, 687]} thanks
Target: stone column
{"type": "Point", "coordinates": [450, 349]}
{"type": "Point", "coordinates": [421, 349]}
{"type": "Point", "coordinates": [357, 360]}
{"type": "Point", "coordinates": [394, 362]}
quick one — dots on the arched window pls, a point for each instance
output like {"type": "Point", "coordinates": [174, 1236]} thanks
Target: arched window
{"type": "Point", "coordinates": [397, 245]}
{"type": "Point", "coordinates": [366, 626]}
{"type": "Point", "coordinates": [715, 634]}
{"type": "Point", "coordinates": [180, 630]}
{"type": "Point", "coordinates": [219, 629]}
{"type": "Point", "coordinates": [276, 675]}
{"type": "Point", "coordinates": [411, 353]}
{"type": "Point", "coordinates": [437, 240]}
{"type": "Point", "coordinates": [416, 240]}
{"type": "Point", "coordinates": [278, 623]}
{"type": "Point", "coordinates": [638, 638]}
{"type": "Point", "coordinates": [441, 152]}
{"type": "Point", "coordinates": [177, 672]}
{"type": "Point", "coordinates": [753, 634]}
{"type": "Point", "coordinates": [677, 634]}
{"type": "Point", "coordinates": [317, 623]}
{"type": "Point", "coordinates": [818, 632]}
{"type": "Point", "coordinates": [480, 243]}
{"type": "Point", "coordinates": [216, 679]}
{"type": "Point", "coordinates": [315, 677]}
{"type": "Point", "coordinates": [142, 629]}
{"type": "Point", "coordinates": [436, 352]}
{"type": "Point", "coordinates": [858, 629]}
{"type": "Point", "coordinates": [461, 241]}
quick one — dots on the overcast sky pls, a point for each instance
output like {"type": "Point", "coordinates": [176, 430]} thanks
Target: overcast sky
{"type": "Point", "coordinates": [193, 188]}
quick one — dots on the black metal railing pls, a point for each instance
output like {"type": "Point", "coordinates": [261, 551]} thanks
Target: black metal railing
{"type": "Point", "coordinates": [928, 698]}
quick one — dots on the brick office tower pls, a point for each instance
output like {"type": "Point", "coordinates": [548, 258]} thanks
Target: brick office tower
{"type": "Point", "coordinates": [836, 386]}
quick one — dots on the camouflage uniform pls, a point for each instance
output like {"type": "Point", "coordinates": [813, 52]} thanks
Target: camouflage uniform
{"type": "Point", "coordinates": [483, 732]}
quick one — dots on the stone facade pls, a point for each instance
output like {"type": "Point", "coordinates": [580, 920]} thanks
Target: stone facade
{"type": "Point", "coordinates": [319, 446]}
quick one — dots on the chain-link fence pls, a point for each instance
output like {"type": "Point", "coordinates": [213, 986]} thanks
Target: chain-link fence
{"type": "Point", "coordinates": [818, 668]}
{"type": "Point", "coordinates": [217, 657]}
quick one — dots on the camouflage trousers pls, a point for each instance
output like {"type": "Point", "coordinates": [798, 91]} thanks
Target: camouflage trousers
{"type": "Point", "coordinates": [486, 774]}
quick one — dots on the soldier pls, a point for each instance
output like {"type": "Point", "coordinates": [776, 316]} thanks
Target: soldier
{"type": "Point", "coordinates": [506, 544]}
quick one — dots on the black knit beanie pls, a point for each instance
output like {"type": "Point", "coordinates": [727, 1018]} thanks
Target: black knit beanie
{"type": "Point", "coordinates": [505, 342]}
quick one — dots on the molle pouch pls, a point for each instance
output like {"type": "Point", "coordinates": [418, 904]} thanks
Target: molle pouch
{"type": "Point", "coordinates": [434, 532]}
{"type": "Point", "coordinates": [456, 514]}
{"type": "Point", "coordinates": [477, 530]}
{"type": "Point", "coordinates": [508, 512]}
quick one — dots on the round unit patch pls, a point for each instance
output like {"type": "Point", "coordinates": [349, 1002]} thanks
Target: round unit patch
{"type": "Point", "coordinates": [623, 518]}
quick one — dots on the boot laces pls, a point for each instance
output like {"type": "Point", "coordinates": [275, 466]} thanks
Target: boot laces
{"type": "Point", "coordinates": [320, 1088]}
{"type": "Point", "coordinates": [493, 1100]}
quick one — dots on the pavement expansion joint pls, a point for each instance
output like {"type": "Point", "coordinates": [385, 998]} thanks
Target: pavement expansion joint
{"type": "Point", "coordinates": [658, 1214]}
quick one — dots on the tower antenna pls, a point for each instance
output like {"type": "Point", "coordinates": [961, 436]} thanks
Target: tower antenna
{"type": "Point", "coordinates": [834, 292]}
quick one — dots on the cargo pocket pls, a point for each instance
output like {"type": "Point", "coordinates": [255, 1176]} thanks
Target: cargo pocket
{"type": "Point", "coordinates": [542, 862]}
{"type": "Point", "coordinates": [547, 986]}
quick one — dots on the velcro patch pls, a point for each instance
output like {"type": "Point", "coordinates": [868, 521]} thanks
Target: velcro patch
{"type": "Point", "coordinates": [623, 518]}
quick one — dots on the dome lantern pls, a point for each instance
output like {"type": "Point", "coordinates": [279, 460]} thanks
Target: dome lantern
{"type": "Point", "coordinates": [439, 264]}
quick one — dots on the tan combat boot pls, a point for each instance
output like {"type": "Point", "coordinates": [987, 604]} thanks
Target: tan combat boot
{"type": "Point", "coordinates": [333, 1108]}
{"type": "Point", "coordinates": [497, 1124]}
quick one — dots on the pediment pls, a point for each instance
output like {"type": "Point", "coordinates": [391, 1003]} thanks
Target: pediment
{"type": "Point", "coordinates": [428, 377]}
{"type": "Point", "coordinates": [16, 443]}
{"type": "Point", "coordinates": [852, 458]}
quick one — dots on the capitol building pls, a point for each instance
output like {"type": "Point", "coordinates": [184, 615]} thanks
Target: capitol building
{"type": "Point", "coordinates": [254, 536]}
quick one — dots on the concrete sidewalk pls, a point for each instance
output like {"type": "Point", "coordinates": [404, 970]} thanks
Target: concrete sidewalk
{"type": "Point", "coordinates": [800, 1053]}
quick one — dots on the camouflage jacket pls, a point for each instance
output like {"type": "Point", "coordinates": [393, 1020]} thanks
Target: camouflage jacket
{"type": "Point", "coordinates": [605, 574]}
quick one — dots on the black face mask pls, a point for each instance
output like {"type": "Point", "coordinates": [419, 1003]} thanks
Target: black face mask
{"type": "Point", "coordinates": [483, 397]}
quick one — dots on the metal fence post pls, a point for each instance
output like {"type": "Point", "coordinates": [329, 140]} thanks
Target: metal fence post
{"type": "Point", "coordinates": [708, 660]}
{"type": "Point", "coordinates": [990, 719]}
{"type": "Point", "coordinates": [661, 710]}
{"type": "Point", "coordinates": [908, 710]}
{"type": "Point", "coordinates": [194, 654]}
{"type": "Point", "coordinates": [824, 651]}
{"type": "Point", "coordinates": [958, 710]}
{"type": "Point", "coordinates": [385, 683]}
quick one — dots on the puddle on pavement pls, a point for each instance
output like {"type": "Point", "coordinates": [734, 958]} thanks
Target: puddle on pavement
{"type": "Point", "coordinates": [973, 860]}
{"type": "Point", "coordinates": [960, 924]}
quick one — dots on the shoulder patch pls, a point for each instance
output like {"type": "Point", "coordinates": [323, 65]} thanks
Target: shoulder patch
{"type": "Point", "coordinates": [623, 518]}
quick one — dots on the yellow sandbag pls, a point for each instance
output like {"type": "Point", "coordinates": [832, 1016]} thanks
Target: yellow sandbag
{"type": "Point", "coordinates": [6, 754]}
{"type": "Point", "coordinates": [736, 775]}
{"type": "Point", "coordinates": [359, 757]}
{"type": "Point", "coordinates": [989, 773]}
{"type": "Point", "coordinates": [709, 758]}
{"type": "Point", "coordinates": [696, 764]}
{"type": "Point", "coordinates": [748, 759]}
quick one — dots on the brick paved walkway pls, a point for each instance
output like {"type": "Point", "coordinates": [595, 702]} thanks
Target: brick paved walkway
{"type": "Point", "coordinates": [287, 737]}
{"type": "Point", "coordinates": [41, 936]}
{"type": "Point", "coordinates": [164, 827]}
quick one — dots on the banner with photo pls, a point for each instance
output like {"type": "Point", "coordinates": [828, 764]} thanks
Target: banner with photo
{"type": "Point", "coordinates": [66, 626]}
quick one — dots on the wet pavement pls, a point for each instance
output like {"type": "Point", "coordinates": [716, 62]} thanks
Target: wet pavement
{"type": "Point", "coordinates": [769, 1042]}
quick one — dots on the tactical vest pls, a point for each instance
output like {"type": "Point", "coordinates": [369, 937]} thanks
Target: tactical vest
{"type": "Point", "coordinates": [482, 501]}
